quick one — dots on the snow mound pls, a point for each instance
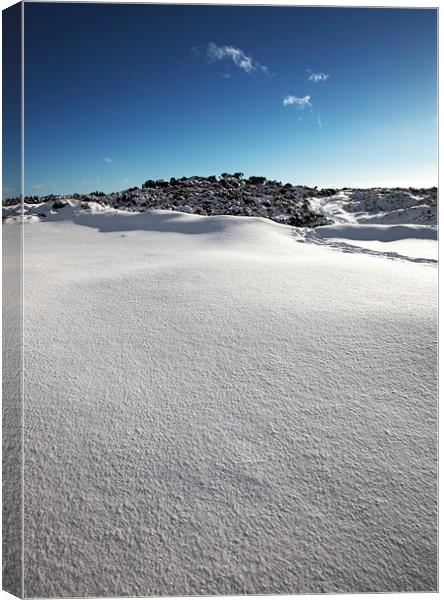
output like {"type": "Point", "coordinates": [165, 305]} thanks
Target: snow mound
{"type": "Point", "coordinates": [394, 224]}
{"type": "Point", "coordinates": [295, 205]}
{"type": "Point", "coordinates": [212, 408]}
{"type": "Point", "coordinates": [391, 223]}
{"type": "Point", "coordinates": [381, 206]}
{"type": "Point", "coordinates": [208, 196]}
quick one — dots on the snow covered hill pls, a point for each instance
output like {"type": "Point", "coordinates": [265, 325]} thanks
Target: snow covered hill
{"type": "Point", "coordinates": [228, 195]}
{"type": "Point", "coordinates": [392, 223]}
{"type": "Point", "coordinates": [225, 404]}
{"type": "Point", "coordinates": [382, 206]}
{"type": "Point", "coordinates": [256, 196]}
{"type": "Point", "coordinates": [373, 221]}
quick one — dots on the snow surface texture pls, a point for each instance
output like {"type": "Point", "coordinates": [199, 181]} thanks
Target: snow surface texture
{"type": "Point", "coordinates": [12, 343]}
{"type": "Point", "coordinates": [227, 405]}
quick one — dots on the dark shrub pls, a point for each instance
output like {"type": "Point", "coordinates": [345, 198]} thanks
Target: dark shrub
{"type": "Point", "coordinates": [296, 221]}
{"type": "Point", "coordinates": [11, 201]}
{"type": "Point", "coordinates": [254, 180]}
{"type": "Point", "coordinates": [325, 192]}
{"type": "Point", "coordinates": [58, 204]}
{"type": "Point", "coordinates": [149, 183]}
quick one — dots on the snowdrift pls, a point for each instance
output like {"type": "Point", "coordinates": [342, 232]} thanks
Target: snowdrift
{"type": "Point", "coordinates": [213, 407]}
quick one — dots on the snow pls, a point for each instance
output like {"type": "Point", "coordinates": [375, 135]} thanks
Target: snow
{"type": "Point", "coordinates": [394, 224]}
{"type": "Point", "coordinates": [380, 206]}
{"type": "Point", "coordinates": [225, 405]}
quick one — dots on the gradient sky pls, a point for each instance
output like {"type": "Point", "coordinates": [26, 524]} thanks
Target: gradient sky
{"type": "Point", "coordinates": [117, 94]}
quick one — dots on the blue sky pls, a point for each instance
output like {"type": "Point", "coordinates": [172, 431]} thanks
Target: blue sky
{"type": "Point", "coordinates": [11, 142]}
{"type": "Point", "coordinates": [117, 94]}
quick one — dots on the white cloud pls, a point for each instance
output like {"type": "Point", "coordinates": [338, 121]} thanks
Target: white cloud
{"type": "Point", "coordinates": [301, 104]}
{"type": "Point", "coordinates": [237, 56]}
{"type": "Point", "coordinates": [107, 159]}
{"type": "Point", "coordinates": [298, 102]}
{"type": "Point", "coordinates": [318, 77]}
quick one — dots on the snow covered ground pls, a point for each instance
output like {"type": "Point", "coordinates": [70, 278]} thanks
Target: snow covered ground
{"type": "Point", "coordinates": [394, 225]}
{"type": "Point", "coordinates": [226, 405]}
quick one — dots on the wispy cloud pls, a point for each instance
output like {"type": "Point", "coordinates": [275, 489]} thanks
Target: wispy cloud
{"type": "Point", "coordinates": [90, 182]}
{"type": "Point", "coordinates": [300, 103]}
{"type": "Point", "coordinates": [107, 159]}
{"type": "Point", "coordinates": [43, 186]}
{"type": "Point", "coordinates": [318, 118]}
{"type": "Point", "coordinates": [237, 56]}
{"type": "Point", "coordinates": [317, 77]}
